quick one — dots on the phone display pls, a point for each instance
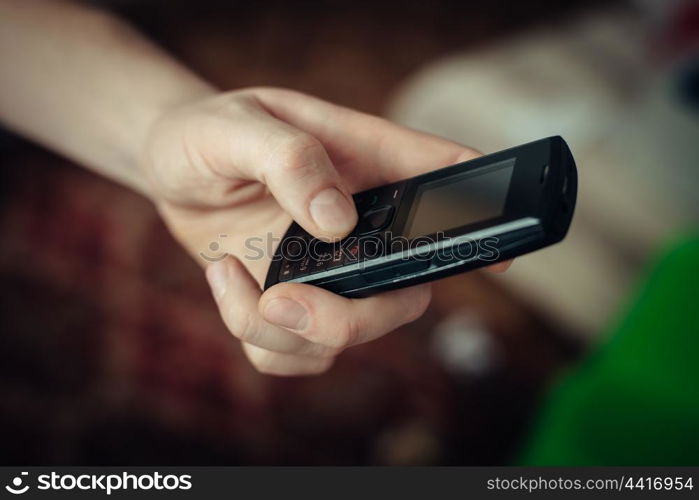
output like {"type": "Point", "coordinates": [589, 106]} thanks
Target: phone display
{"type": "Point", "coordinates": [461, 199]}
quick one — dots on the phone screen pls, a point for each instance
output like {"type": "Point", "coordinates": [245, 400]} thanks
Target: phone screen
{"type": "Point", "coordinates": [460, 199]}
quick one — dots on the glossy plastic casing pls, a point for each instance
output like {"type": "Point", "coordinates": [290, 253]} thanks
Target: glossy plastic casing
{"type": "Point", "coordinates": [537, 213]}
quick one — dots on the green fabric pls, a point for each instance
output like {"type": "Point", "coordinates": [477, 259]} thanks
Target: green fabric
{"type": "Point", "coordinates": [635, 400]}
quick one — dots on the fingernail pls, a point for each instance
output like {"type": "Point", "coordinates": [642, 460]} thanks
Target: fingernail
{"type": "Point", "coordinates": [286, 313]}
{"type": "Point", "coordinates": [332, 212]}
{"type": "Point", "coordinates": [217, 276]}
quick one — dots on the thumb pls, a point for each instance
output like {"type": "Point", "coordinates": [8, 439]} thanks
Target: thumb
{"type": "Point", "coordinates": [296, 169]}
{"type": "Point", "coordinates": [239, 144]}
{"type": "Point", "coordinates": [299, 174]}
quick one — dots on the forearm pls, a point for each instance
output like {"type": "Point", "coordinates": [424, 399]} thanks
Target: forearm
{"type": "Point", "coordinates": [85, 84]}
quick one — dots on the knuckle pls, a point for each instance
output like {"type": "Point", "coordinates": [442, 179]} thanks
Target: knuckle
{"type": "Point", "coordinates": [465, 154]}
{"type": "Point", "coordinates": [245, 329]}
{"type": "Point", "coordinates": [263, 362]}
{"type": "Point", "coordinates": [298, 153]}
{"type": "Point", "coordinates": [324, 352]}
{"type": "Point", "coordinates": [347, 333]}
{"type": "Point", "coordinates": [271, 91]}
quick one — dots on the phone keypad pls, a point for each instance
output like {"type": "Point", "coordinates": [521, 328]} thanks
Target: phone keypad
{"type": "Point", "coordinates": [337, 258]}
{"type": "Point", "coordinates": [286, 272]}
{"type": "Point", "coordinates": [376, 209]}
{"type": "Point", "coordinates": [320, 263]}
{"type": "Point", "coordinates": [303, 266]}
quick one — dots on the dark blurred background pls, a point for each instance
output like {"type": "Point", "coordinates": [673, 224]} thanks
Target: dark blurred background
{"type": "Point", "coordinates": [112, 352]}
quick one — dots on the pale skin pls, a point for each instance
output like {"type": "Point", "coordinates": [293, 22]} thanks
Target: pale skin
{"type": "Point", "coordinates": [241, 163]}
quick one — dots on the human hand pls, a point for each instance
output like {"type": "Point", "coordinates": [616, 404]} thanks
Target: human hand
{"type": "Point", "coordinates": [243, 164]}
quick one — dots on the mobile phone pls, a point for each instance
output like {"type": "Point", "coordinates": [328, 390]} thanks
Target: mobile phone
{"type": "Point", "coordinates": [441, 223]}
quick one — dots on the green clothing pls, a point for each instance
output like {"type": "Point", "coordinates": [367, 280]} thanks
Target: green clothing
{"type": "Point", "coordinates": [635, 401]}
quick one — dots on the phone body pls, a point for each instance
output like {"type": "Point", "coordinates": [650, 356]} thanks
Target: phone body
{"type": "Point", "coordinates": [448, 221]}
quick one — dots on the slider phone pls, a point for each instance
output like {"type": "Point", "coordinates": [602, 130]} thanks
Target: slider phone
{"type": "Point", "coordinates": [440, 223]}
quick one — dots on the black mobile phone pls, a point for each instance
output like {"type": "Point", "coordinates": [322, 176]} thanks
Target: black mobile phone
{"type": "Point", "coordinates": [441, 223]}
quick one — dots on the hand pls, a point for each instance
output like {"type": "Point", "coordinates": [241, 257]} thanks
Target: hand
{"type": "Point", "coordinates": [243, 164]}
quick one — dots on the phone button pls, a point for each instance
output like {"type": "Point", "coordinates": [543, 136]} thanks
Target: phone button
{"type": "Point", "coordinates": [336, 259]}
{"type": "Point", "coordinates": [351, 255]}
{"type": "Point", "coordinates": [366, 200]}
{"type": "Point", "coordinates": [302, 267]}
{"type": "Point", "coordinates": [395, 270]}
{"type": "Point", "coordinates": [376, 219]}
{"type": "Point", "coordinates": [320, 263]}
{"type": "Point", "coordinates": [286, 271]}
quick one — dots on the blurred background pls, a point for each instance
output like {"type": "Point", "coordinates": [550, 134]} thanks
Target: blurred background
{"type": "Point", "coordinates": [111, 349]}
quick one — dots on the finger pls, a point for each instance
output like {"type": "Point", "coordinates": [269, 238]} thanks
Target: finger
{"type": "Point", "coordinates": [304, 182]}
{"type": "Point", "coordinates": [292, 164]}
{"type": "Point", "coordinates": [386, 152]}
{"type": "Point", "coordinates": [328, 319]}
{"type": "Point", "coordinates": [356, 140]}
{"type": "Point", "coordinates": [237, 294]}
{"type": "Point", "coordinates": [500, 267]}
{"type": "Point", "coordinates": [274, 363]}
